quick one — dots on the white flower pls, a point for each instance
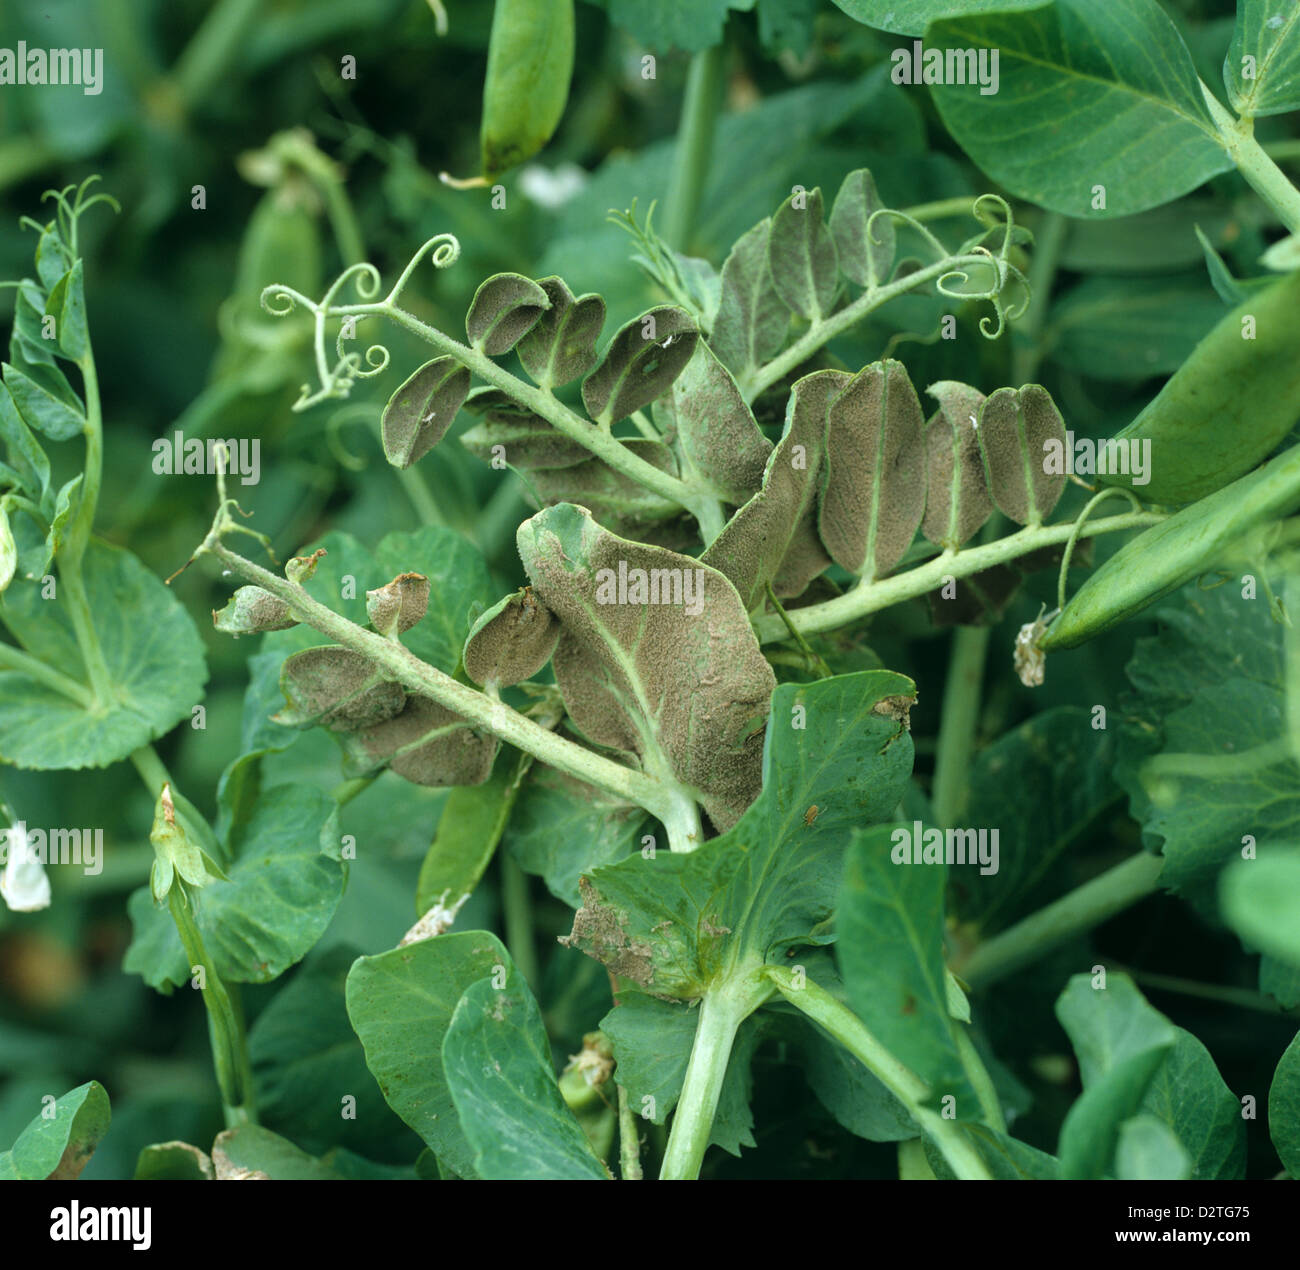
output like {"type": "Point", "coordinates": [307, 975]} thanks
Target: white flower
{"type": "Point", "coordinates": [23, 884]}
{"type": "Point", "coordinates": [551, 188]}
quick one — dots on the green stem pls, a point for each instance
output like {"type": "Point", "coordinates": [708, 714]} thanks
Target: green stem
{"type": "Point", "coordinates": [1042, 271]}
{"type": "Point", "coordinates": [1083, 908]}
{"type": "Point", "coordinates": [722, 1010]}
{"type": "Point", "coordinates": [704, 84]}
{"type": "Point", "coordinates": [519, 920]}
{"type": "Point", "coordinates": [864, 600]}
{"type": "Point", "coordinates": [958, 716]}
{"type": "Point", "coordinates": [845, 1026]}
{"type": "Point", "coordinates": [213, 48]}
{"type": "Point", "coordinates": [1243, 998]}
{"type": "Point", "coordinates": [494, 716]}
{"type": "Point", "coordinates": [15, 659]}
{"type": "Point", "coordinates": [941, 209]}
{"type": "Point", "coordinates": [1260, 172]}
{"type": "Point", "coordinates": [978, 1075]}
{"type": "Point", "coordinates": [629, 1140]}
{"type": "Point", "coordinates": [816, 663]}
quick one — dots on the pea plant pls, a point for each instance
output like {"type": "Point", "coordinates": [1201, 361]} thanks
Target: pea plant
{"type": "Point", "coordinates": [768, 739]}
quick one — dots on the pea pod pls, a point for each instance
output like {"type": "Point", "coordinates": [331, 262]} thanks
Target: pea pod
{"type": "Point", "coordinates": [530, 63]}
{"type": "Point", "coordinates": [1227, 406]}
{"type": "Point", "coordinates": [1177, 550]}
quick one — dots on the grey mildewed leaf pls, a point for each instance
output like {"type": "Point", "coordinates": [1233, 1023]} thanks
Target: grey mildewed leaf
{"type": "Point", "coordinates": [512, 641]}
{"type": "Point", "coordinates": [656, 657]}
{"type": "Point", "coordinates": [504, 309]}
{"type": "Point", "coordinates": [250, 610]}
{"type": "Point", "coordinates": [712, 427]}
{"type": "Point", "coordinates": [425, 744]}
{"type": "Point", "coordinates": [399, 604]}
{"type": "Point", "coordinates": [336, 688]}
{"type": "Point", "coordinates": [527, 440]}
{"type": "Point", "coordinates": [865, 257]}
{"type": "Point", "coordinates": [606, 492]}
{"type": "Point", "coordinates": [752, 319]}
{"type": "Point", "coordinates": [874, 494]}
{"type": "Point", "coordinates": [1014, 426]}
{"type": "Point", "coordinates": [801, 255]}
{"type": "Point", "coordinates": [642, 360]}
{"type": "Point", "coordinates": [419, 413]}
{"type": "Point", "coordinates": [957, 499]}
{"type": "Point", "coordinates": [773, 538]}
{"type": "Point", "coordinates": [562, 345]}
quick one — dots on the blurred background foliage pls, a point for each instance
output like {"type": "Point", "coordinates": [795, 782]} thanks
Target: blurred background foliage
{"type": "Point", "coordinates": [303, 171]}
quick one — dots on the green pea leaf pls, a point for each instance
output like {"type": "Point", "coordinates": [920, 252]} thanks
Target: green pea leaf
{"type": "Point", "coordinates": [28, 345]}
{"type": "Point", "coordinates": [152, 651]}
{"type": "Point", "coordinates": [752, 319]}
{"type": "Point", "coordinates": [505, 308]}
{"type": "Point", "coordinates": [801, 255]}
{"type": "Point", "coordinates": [866, 256]}
{"type": "Point", "coordinates": [419, 413]}
{"type": "Point", "coordinates": [773, 538]}
{"type": "Point", "coordinates": [957, 501]}
{"type": "Point", "coordinates": [641, 362]}
{"type": "Point", "coordinates": [1280, 981]}
{"type": "Point", "coordinates": [173, 1162]}
{"type": "Point", "coordinates": [873, 498]}
{"type": "Point", "coordinates": [67, 305]}
{"type": "Point", "coordinates": [837, 755]}
{"type": "Point", "coordinates": [284, 884]}
{"type": "Point", "coordinates": [561, 346]}
{"type": "Point", "coordinates": [251, 1151]}
{"type": "Point", "coordinates": [673, 675]}
{"type": "Point", "coordinates": [24, 452]}
{"type": "Point", "coordinates": [1261, 902]}
{"type": "Point", "coordinates": [1262, 66]}
{"type": "Point", "coordinates": [498, 1066]}
{"type": "Point", "coordinates": [45, 400]}
{"type": "Point", "coordinates": [1006, 1158]}
{"type": "Point", "coordinates": [911, 17]}
{"type": "Point", "coordinates": [713, 429]}
{"type": "Point", "coordinates": [563, 828]}
{"type": "Point", "coordinates": [1284, 1109]}
{"type": "Point", "coordinates": [1115, 78]}
{"type": "Point", "coordinates": [401, 1002]}
{"type": "Point", "coordinates": [1018, 429]}
{"type": "Point", "coordinates": [890, 924]}
{"type": "Point", "coordinates": [58, 1147]}
{"type": "Point", "coordinates": [1112, 1026]}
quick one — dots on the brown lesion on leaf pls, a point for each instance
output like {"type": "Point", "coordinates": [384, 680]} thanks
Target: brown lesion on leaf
{"type": "Point", "coordinates": [598, 931]}
{"type": "Point", "coordinates": [897, 708]}
{"type": "Point", "coordinates": [708, 928]}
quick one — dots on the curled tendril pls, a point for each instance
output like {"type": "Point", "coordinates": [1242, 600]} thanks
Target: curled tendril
{"type": "Point", "coordinates": [443, 251]}
{"type": "Point", "coordinates": [940, 250]}
{"type": "Point", "coordinates": [279, 300]}
{"type": "Point", "coordinates": [365, 279]}
{"type": "Point", "coordinates": [376, 357]}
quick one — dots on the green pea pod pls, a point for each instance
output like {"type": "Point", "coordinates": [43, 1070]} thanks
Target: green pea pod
{"type": "Point", "coordinates": [281, 244]}
{"type": "Point", "coordinates": [1177, 550]}
{"type": "Point", "coordinates": [1229, 404]}
{"type": "Point", "coordinates": [530, 63]}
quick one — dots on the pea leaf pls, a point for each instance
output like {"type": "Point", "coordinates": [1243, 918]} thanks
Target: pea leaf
{"type": "Point", "coordinates": [621, 503]}
{"type": "Point", "coordinates": [890, 926]}
{"type": "Point", "coordinates": [801, 255]}
{"type": "Point", "coordinates": [512, 641]}
{"type": "Point", "coordinates": [773, 538]}
{"type": "Point", "coordinates": [284, 885]}
{"type": "Point", "coordinates": [1280, 981]}
{"type": "Point", "coordinates": [873, 498]}
{"type": "Point", "coordinates": [251, 1151]}
{"type": "Point", "coordinates": [24, 452]}
{"type": "Point", "coordinates": [1109, 1028]}
{"type": "Point", "coordinates": [1017, 427]}
{"type": "Point", "coordinates": [151, 648]}
{"type": "Point", "coordinates": [28, 345]}
{"type": "Point", "coordinates": [642, 360]}
{"type": "Point", "coordinates": [713, 429]}
{"type": "Point", "coordinates": [58, 1147]}
{"type": "Point", "coordinates": [1261, 902]}
{"type": "Point", "coordinates": [562, 344]}
{"type": "Point", "coordinates": [1147, 1148]}
{"type": "Point", "coordinates": [45, 400]}
{"type": "Point", "coordinates": [419, 413]}
{"type": "Point", "coordinates": [1089, 95]}
{"type": "Point", "coordinates": [957, 501]}
{"type": "Point", "coordinates": [752, 319]}
{"type": "Point", "coordinates": [837, 755]}
{"type": "Point", "coordinates": [505, 308]}
{"type": "Point", "coordinates": [337, 689]}
{"type": "Point", "coordinates": [674, 676]}
{"type": "Point", "coordinates": [911, 17]}
{"type": "Point", "coordinates": [425, 743]}
{"type": "Point", "coordinates": [306, 1059]}
{"type": "Point", "coordinates": [658, 25]}
{"type": "Point", "coordinates": [866, 256]}
{"type": "Point", "coordinates": [498, 1066]}
{"type": "Point", "coordinates": [401, 1002]}
{"type": "Point", "coordinates": [1262, 67]}
{"type": "Point", "coordinates": [1006, 1158]}
{"type": "Point", "coordinates": [1284, 1109]}
{"type": "Point", "coordinates": [563, 828]}
{"type": "Point", "coordinates": [67, 305]}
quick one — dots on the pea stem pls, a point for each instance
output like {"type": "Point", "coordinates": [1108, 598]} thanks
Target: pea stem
{"type": "Point", "coordinates": [1083, 908]}
{"type": "Point", "coordinates": [1260, 172]}
{"type": "Point", "coordinates": [704, 83]}
{"type": "Point", "coordinates": [518, 920]}
{"type": "Point", "coordinates": [959, 717]}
